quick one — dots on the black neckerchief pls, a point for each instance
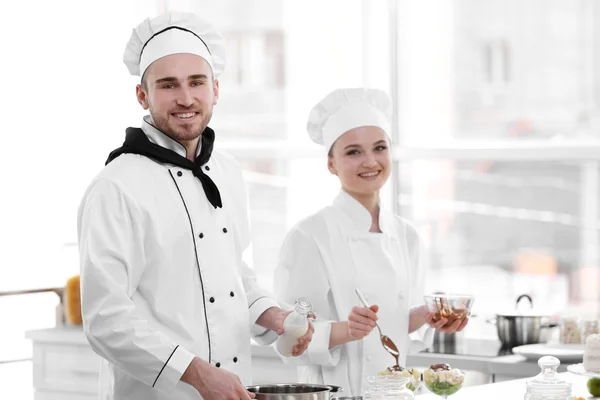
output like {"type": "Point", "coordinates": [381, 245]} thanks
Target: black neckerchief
{"type": "Point", "coordinates": [136, 142]}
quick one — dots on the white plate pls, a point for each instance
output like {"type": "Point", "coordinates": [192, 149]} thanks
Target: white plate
{"type": "Point", "coordinates": [579, 370]}
{"type": "Point", "coordinates": [564, 352]}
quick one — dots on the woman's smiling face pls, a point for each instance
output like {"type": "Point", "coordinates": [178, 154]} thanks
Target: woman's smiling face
{"type": "Point", "coordinates": [361, 160]}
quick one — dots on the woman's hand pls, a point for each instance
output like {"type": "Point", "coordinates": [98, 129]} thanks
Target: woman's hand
{"type": "Point", "coordinates": [440, 325]}
{"type": "Point", "coordinates": [361, 321]}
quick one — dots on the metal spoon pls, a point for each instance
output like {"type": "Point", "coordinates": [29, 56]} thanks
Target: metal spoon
{"type": "Point", "coordinates": [387, 343]}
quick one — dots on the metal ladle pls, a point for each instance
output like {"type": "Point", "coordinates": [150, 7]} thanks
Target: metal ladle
{"type": "Point", "coordinates": [387, 343]}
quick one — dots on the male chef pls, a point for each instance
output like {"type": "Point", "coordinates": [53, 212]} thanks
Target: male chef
{"type": "Point", "coordinates": [166, 299]}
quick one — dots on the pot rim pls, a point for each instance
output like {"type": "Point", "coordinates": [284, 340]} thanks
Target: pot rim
{"type": "Point", "coordinates": [318, 388]}
{"type": "Point", "coordinates": [526, 314]}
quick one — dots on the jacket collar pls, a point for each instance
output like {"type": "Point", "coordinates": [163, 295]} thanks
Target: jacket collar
{"type": "Point", "coordinates": [358, 218]}
{"type": "Point", "coordinates": [156, 136]}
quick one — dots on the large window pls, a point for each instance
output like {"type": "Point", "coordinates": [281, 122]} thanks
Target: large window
{"type": "Point", "coordinates": [513, 224]}
{"type": "Point", "coordinates": [498, 117]}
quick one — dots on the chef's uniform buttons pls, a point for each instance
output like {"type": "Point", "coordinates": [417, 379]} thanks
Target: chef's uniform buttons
{"type": "Point", "coordinates": [218, 365]}
{"type": "Point", "coordinates": [207, 168]}
{"type": "Point", "coordinates": [201, 235]}
{"type": "Point", "coordinates": [179, 173]}
{"type": "Point", "coordinates": [224, 230]}
{"type": "Point", "coordinates": [234, 359]}
{"type": "Point", "coordinates": [369, 358]}
{"type": "Point", "coordinates": [231, 294]}
{"type": "Point", "coordinates": [212, 300]}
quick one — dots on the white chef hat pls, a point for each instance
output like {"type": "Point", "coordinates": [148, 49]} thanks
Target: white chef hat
{"type": "Point", "coordinates": [174, 33]}
{"type": "Point", "coordinates": [345, 109]}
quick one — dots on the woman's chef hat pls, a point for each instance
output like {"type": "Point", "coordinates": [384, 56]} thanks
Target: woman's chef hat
{"type": "Point", "coordinates": [345, 109]}
{"type": "Point", "coordinates": [174, 33]}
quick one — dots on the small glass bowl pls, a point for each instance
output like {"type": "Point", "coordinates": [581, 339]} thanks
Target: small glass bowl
{"type": "Point", "coordinates": [450, 306]}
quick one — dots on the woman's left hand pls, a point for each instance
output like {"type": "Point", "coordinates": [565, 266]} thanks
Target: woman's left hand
{"type": "Point", "coordinates": [440, 325]}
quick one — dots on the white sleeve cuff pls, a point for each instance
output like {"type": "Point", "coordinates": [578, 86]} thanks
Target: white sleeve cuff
{"type": "Point", "coordinates": [173, 369]}
{"type": "Point", "coordinates": [318, 349]}
{"type": "Point", "coordinates": [421, 339]}
{"type": "Point", "coordinates": [261, 335]}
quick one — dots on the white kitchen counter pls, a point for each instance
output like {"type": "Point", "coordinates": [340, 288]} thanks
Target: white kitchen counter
{"type": "Point", "coordinates": [483, 355]}
{"type": "Point", "coordinates": [513, 390]}
{"type": "Point", "coordinates": [63, 361]}
{"type": "Point", "coordinates": [66, 334]}
{"type": "Point", "coordinates": [499, 368]}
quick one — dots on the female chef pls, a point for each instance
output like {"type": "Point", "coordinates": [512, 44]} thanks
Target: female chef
{"type": "Point", "coordinates": [356, 243]}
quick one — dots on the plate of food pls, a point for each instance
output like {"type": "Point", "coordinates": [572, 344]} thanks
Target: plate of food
{"type": "Point", "coordinates": [580, 370]}
{"type": "Point", "coordinates": [564, 352]}
{"type": "Point", "coordinates": [591, 358]}
{"type": "Point", "coordinates": [412, 373]}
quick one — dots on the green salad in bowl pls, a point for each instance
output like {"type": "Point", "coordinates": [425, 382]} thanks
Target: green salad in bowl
{"type": "Point", "coordinates": [443, 380]}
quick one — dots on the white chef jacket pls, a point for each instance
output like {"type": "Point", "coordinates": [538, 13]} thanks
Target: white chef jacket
{"type": "Point", "coordinates": [324, 258]}
{"type": "Point", "coordinates": [162, 276]}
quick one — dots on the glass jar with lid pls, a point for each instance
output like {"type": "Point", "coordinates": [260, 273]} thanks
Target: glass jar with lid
{"type": "Point", "coordinates": [548, 385]}
{"type": "Point", "coordinates": [589, 327]}
{"type": "Point", "coordinates": [570, 330]}
{"type": "Point", "coordinates": [388, 387]}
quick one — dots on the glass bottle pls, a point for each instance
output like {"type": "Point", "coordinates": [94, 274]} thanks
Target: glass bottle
{"type": "Point", "coordinates": [388, 387]}
{"type": "Point", "coordinates": [295, 326]}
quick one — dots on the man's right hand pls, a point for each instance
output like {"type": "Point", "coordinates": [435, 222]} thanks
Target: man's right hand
{"type": "Point", "coordinates": [215, 383]}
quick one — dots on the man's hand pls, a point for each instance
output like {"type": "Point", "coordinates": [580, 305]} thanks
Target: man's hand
{"type": "Point", "coordinates": [361, 321]}
{"type": "Point", "coordinates": [440, 325]}
{"type": "Point", "coordinates": [304, 341]}
{"type": "Point", "coordinates": [215, 383]}
{"type": "Point", "coordinates": [273, 319]}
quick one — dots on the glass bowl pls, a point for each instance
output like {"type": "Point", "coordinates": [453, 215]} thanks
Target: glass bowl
{"type": "Point", "coordinates": [450, 306]}
{"type": "Point", "coordinates": [413, 374]}
{"type": "Point", "coordinates": [443, 383]}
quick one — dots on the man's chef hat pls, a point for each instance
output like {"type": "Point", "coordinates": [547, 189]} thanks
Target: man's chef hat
{"type": "Point", "coordinates": [174, 33]}
{"type": "Point", "coordinates": [345, 109]}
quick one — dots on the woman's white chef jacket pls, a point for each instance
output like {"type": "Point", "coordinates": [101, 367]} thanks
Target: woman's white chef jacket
{"type": "Point", "coordinates": [324, 258]}
{"type": "Point", "coordinates": [162, 276]}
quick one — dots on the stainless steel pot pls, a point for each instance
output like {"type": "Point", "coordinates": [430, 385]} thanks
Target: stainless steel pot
{"type": "Point", "coordinates": [295, 391]}
{"type": "Point", "coordinates": [517, 330]}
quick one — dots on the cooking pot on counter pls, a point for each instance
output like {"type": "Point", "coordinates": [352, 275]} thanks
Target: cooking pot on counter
{"type": "Point", "coordinates": [520, 328]}
{"type": "Point", "coordinates": [294, 391]}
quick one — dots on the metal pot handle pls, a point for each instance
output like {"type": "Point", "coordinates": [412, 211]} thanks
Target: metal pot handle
{"type": "Point", "coordinates": [549, 325]}
{"type": "Point", "coordinates": [524, 296]}
{"type": "Point", "coordinates": [334, 392]}
{"type": "Point", "coordinates": [331, 393]}
{"type": "Point", "coordinates": [492, 321]}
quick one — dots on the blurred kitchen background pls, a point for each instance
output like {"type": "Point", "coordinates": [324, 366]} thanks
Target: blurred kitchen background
{"type": "Point", "coordinates": [496, 141]}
